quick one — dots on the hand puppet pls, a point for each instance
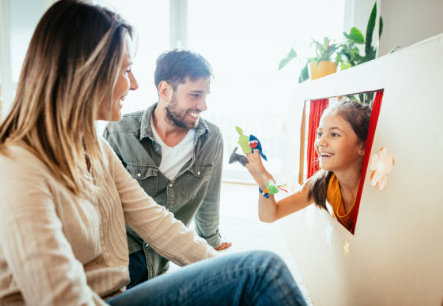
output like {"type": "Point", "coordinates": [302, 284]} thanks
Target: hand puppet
{"type": "Point", "coordinates": [248, 144]}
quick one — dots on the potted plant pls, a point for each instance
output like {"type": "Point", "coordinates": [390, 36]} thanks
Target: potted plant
{"type": "Point", "coordinates": [351, 51]}
{"type": "Point", "coordinates": [346, 54]}
{"type": "Point", "coordinates": [322, 64]}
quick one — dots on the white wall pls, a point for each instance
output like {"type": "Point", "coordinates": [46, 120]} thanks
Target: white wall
{"type": "Point", "coordinates": [409, 21]}
{"type": "Point", "coordinates": [18, 21]}
{"type": "Point", "coordinates": [395, 256]}
{"type": "Point", "coordinates": [405, 21]}
{"type": "Point", "coordinates": [5, 58]}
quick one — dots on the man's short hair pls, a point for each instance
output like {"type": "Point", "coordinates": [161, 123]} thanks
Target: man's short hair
{"type": "Point", "coordinates": [177, 65]}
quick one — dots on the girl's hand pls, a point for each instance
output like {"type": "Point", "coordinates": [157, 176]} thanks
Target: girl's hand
{"type": "Point", "coordinates": [256, 168]}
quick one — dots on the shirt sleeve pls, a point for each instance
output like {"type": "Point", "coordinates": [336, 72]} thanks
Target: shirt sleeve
{"type": "Point", "coordinates": [36, 251]}
{"type": "Point", "coordinates": [157, 226]}
{"type": "Point", "coordinates": [110, 139]}
{"type": "Point", "coordinates": [208, 215]}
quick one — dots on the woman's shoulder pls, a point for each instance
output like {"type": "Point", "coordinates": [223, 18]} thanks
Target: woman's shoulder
{"type": "Point", "coordinates": [16, 155]}
{"type": "Point", "coordinates": [106, 147]}
{"type": "Point", "coordinates": [109, 154]}
{"type": "Point", "coordinates": [16, 160]}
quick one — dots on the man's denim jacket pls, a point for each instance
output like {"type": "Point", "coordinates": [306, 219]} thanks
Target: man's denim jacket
{"type": "Point", "coordinates": [194, 192]}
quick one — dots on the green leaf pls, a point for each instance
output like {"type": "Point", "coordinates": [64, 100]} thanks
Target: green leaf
{"type": "Point", "coordinates": [325, 43]}
{"type": "Point", "coordinates": [338, 59]}
{"type": "Point", "coordinates": [344, 65]}
{"type": "Point", "coordinates": [347, 54]}
{"type": "Point", "coordinates": [380, 27]}
{"type": "Point", "coordinates": [318, 46]}
{"type": "Point", "coordinates": [370, 54]}
{"type": "Point", "coordinates": [355, 35]}
{"type": "Point", "coordinates": [370, 28]}
{"type": "Point", "coordinates": [304, 75]}
{"type": "Point", "coordinates": [291, 55]}
{"type": "Point", "coordinates": [394, 49]}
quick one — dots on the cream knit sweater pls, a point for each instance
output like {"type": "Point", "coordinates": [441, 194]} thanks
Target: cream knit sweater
{"type": "Point", "coordinates": [58, 249]}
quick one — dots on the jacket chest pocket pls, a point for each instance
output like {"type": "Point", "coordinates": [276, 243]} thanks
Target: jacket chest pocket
{"type": "Point", "coordinates": [195, 180]}
{"type": "Point", "coordinates": [146, 176]}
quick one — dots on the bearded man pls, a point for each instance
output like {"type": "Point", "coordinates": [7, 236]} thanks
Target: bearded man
{"type": "Point", "coordinates": [174, 154]}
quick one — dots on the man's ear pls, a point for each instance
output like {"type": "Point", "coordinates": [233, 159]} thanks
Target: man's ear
{"type": "Point", "coordinates": [164, 90]}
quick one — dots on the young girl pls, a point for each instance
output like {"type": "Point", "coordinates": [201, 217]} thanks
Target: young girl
{"type": "Point", "coordinates": [65, 196]}
{"type": "Point", "coordinates": [340, 146]}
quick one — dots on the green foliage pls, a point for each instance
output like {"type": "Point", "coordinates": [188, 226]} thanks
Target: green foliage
{"type": "Point", "coordinates": [355, 35]}
{"type": "Point", "coordinates": [350, 50]}
{"type": "Point", "coordinates": [324, 52]}
{"type": "Point", "coordinates": [365, 98]}
{"type": "Point", "coordinates": [284, 61]}
{"type": "Point", "coordinates": [347, 54]}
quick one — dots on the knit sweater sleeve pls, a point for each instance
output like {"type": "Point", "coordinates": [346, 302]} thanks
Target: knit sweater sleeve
{"type": "Point", "coordinates": [157, 226]}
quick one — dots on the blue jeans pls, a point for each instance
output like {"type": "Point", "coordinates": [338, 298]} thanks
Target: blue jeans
{"type": "Point", "coordinates": [137, 269]}
{"type": "Point", "coordinates": [251, 278]}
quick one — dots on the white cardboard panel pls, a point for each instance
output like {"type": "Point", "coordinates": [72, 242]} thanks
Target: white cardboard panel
{"type": "Point", "coordinates": [396, 254]}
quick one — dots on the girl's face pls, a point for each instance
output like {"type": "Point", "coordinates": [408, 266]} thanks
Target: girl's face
{"type": "Point", "coordinates": [125, 82]}
{"type": "Point", "coordinates": [338, 147]}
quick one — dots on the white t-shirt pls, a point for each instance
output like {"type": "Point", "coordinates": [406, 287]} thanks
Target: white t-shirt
{"type": "Point", "coordinates": [173, 159]}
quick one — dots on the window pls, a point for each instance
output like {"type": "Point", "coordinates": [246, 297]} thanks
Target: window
{"type": "Point", "coordinates": [151, 21]}
{"type": "Point", "coordinates": [244, 41]}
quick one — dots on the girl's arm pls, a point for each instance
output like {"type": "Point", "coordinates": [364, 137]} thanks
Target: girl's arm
{"type": "Point", "coordinates": [268, 209]}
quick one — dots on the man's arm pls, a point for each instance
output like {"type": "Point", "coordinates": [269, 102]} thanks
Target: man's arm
{"type": "Point", "coordinates": [208, 215]}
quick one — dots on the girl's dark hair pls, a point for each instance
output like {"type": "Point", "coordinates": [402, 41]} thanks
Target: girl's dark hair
{"type": "Point", "coordinates": [358, 115]}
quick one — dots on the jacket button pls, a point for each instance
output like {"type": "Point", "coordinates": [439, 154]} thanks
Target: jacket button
{"type": "Point", "coordinates": [139, 174]}
{"type": "Point", "coordinates": [170, 185]}
{"type": "Point", "coordinates": [198, 172]}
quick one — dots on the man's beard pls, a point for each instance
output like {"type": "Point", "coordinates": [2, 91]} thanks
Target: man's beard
{"type": "Point", "coordinates": [174, 116]}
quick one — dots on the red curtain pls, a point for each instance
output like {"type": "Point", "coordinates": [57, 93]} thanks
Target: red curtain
{"type": "Point", "coordinates": [315, 111]}
{"type": "Point", "coordinates": [371, 132]}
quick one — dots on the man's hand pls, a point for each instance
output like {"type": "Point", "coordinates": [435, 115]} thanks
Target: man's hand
{"type": "Point", "coordinates": [223, 246]}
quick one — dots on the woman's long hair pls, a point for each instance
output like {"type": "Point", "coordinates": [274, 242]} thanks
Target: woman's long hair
{"type": "Point", "coordinates": [71, 67]}
{"type": "Point", "coordinates": [358, 115]}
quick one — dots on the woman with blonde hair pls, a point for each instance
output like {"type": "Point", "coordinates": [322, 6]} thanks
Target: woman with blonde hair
{"type": "Point", "coordinates": [65, 197]}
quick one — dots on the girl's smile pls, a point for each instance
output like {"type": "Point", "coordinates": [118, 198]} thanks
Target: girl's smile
{"type": "Point", "coordinates": [337, 145]}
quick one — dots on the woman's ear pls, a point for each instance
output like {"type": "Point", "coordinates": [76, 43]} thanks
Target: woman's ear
{"type": "Point", "coordinates": [164, 90]}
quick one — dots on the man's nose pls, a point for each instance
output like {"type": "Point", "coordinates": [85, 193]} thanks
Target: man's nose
{"type": "Point", "coordinates": [202, 104]}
